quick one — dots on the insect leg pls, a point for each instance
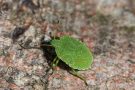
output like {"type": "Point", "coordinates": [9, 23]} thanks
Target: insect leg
{"type": "Point", "coordinates": [74, 73]}
{"type": "Point", "coordinates": [42, 45]}
{"type": "Point", "coordinates": [55, 62]}
{"type": "Point", "coordinates": [38, 47]}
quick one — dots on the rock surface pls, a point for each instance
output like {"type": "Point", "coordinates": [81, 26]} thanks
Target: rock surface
{"type": "Point", "coordinates": [106, 26]}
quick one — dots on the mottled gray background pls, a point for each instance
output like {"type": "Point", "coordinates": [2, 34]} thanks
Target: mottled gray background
{"type": "Point", "coordinates": [106, 26]}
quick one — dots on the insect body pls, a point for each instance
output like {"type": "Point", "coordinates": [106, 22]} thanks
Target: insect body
{"type": "Point", "coordinates": [73, 52]}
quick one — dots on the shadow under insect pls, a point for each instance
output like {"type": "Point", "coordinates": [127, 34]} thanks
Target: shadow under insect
{"type": "Point", "coordinates": [50, 55]}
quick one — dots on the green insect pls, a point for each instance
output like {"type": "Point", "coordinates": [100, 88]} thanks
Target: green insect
{"type": "Point", "coordinates": [74, 53]}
